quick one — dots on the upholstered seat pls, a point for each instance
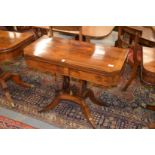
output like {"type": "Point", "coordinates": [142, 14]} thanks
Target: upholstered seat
{"type": "Point", "coordinates": [130, 58]}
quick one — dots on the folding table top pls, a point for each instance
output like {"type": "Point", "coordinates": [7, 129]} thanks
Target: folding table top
{"type": "Point", "coordinates": [79, 54]}
{"type": "Point", "coordinates": [10, 40]}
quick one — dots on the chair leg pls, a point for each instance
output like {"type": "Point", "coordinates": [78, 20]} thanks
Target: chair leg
{"type": "Point", "coordinates": [133, 76]}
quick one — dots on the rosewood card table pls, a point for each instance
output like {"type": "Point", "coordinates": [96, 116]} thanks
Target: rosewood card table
{"type": "Point", "coordinates": [11, 46]}
{"type": "Point", "coordinates": [84, 61]}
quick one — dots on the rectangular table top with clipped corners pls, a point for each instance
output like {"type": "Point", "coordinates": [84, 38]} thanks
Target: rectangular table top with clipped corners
{"type": "Point", "coordinates": [81, 60]}
{"type": "Point", "coordinates": [12, 43]}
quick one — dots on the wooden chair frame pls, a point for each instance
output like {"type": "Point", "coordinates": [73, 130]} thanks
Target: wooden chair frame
{"type": "Point", "coordinates": [133, 43]}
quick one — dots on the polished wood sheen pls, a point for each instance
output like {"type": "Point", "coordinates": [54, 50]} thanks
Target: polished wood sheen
{"type": "Point", "coordinates": [67, 29]}
{"type": "Point", "coordinates": [75, 30]}
{"type": "Point", "coordinates": [147, 38]}
{"type": "Point", "coordinates": [97, 31]}
{"type": "Point", "coordinates": [97, 64]}
{"type": "Point", "coordinates": [88, 31]}
{"type": "Point", "coordinates": [81, 60]}
{"type": "Point", "coordinates": [148, 35]}
{"type": "Point", "coordinates": [148, 66]}
{"type": "Point", "coordinates": [11, 46]}
{"type": "Point", "coordinates": [12, 43]}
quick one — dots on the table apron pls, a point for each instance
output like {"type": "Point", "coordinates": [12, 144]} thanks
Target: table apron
{"type": "Point", "coordinates": [90, 76]}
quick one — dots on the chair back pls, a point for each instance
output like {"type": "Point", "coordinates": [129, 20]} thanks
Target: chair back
{"type": "Point", "coordinates": [76, 30]}
{"type": "Point", "coordinates": [129, 38]}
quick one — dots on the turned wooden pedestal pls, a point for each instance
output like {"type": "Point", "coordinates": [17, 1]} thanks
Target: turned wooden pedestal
{"type": "Point", "coordinates": [77, 98]}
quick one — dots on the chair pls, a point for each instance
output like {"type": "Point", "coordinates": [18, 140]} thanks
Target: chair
{"type": "Point", "coordinates": [40, 31]}
{"type": "Point", "coordinates": [129, 38]}
{"type": "Point", "coordinates": [22, 28]}
{"type": "Point", "coordinates": [71, 30]}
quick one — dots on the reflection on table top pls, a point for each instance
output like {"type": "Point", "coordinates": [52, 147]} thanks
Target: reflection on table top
{"type": "Point", "coordinates": [10, 39]}
{"type": "Point", "coordinates": [76, 53]}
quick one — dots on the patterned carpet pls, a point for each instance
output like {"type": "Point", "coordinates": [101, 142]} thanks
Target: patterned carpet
{"type": "Point", "coordinates": [7, 123]}
{"type": "Point", "coordinates": [125, 109]}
